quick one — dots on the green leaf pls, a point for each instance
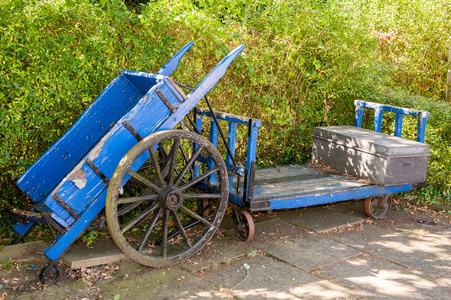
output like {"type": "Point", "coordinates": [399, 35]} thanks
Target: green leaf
{"type": "Point", "coordinates": [218, 54]}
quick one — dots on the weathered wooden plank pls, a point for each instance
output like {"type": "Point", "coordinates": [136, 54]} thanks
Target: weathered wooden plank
{"type": "Point", "coordinates": [306, 185]}
{"type": "Point", "coordinates": [361, 192]}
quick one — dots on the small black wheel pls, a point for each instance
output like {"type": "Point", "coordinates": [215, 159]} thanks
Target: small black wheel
{"type": "Point", "coordinates": [50, 273]}
{"type": "Point", "coordinates": [378, 207]}
{"type": "Point", "coordinates": [174, 202]}
{"type": "Point", "coordinates": [244, 225]}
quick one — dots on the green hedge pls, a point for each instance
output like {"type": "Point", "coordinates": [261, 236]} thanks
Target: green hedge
{"type": "Point", "coordinates": [304, 64]}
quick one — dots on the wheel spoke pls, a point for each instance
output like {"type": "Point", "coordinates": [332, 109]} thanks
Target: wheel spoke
{"type": "Point", "coordinates": [156, 166]}
{"type": "Point", "coordinates": [200, 178]}
{"type": "Point", "coordinates": [149, 229]}
{"type": "Point", "coordinates": [139, 217]}
{"type": "Point", "coordinates": [137, 199]}
{"type": "Point", "coordinates": [187, 160]}
{"type": "Point", "coordinates": [173, 158]}
{"type": "Point", "coordinates": [164, 249]}
{"type": "Point", "coordinates": [188, 165]}
{"type": "Point", "coordinates": [144, 181]}
{"type": "Point", "coordinates": [146, 166]}
{"type": "Point", "coordinates": [195, 216]}
{"type": "Point", "coordinates": [181, 229]}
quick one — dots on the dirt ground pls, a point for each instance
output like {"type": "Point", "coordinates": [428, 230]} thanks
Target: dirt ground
{"type": "Point", "coordinates": [19, 277]}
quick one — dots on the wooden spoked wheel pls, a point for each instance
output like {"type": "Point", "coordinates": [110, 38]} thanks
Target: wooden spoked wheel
{"type": "Point", "coordinates": [244, 225]}
{"type": "Point", "coordinates": [378, 207]}
{"type": "Point", "coordinates": [174, 201]}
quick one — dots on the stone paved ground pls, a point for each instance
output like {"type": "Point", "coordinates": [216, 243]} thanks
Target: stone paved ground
{"type": "Point", "coordinates": [328, 252]}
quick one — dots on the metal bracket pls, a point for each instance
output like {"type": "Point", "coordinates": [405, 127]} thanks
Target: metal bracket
{"type": "Point", "coordinates": [165, 100]}
{"type": "Point", "coordinates": [132, 130]}
{"type": "Point", "coordinates": [177, 88]}
{"type": "Point", "coordinates": [97, 171]}
{"type": "Point", "coordinates": [250, 194]}
{"type": "Point", "coordinates": [53, 224]}
{"type": "Point", "coordinates": [66, 206]}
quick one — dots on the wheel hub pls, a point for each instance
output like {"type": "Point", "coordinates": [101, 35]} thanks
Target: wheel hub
{"type": "Point", "coordinates": [172, 198]}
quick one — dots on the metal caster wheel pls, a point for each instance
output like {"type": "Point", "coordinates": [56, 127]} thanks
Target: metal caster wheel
{"type": "Point", "coordinates": [244, 225]}
{"type": "Point", "coordinates": [378, 207]}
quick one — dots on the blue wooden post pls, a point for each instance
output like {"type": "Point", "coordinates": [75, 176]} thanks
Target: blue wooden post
{"type": "Point", "coordinates": [358, 113]}
{"type": "Point", "coordinates": [398, 124]}
{"type": "Point", "coordinates": [251, 151]}
{"type": "Point", "coordinates": [214, 133]}
{"type": "Point", "coordinates": [198, 121]}
{"type": "Point", "coordinates": [378, 119]}
{"type": "Point", "coordinates": [421, 127]}
{"type": "Point", "coordinates": [231, 141]}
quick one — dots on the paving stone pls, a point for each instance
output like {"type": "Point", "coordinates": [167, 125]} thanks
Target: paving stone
{"type": "Point", "coordinates": [101, 252]}
{"type": "Point", "coordinates": [274, 229]}
{"type": "Point", "coordinates": [75, 290]}
{"type": "Point", "coordinates": [24, 252]}
{"type": "Point", "coordinates": [352, 207]}
{"type": "Point", "coordinates": [321, 219]}
{"type": "Point", "coordinates": [402, 221]}
{"type": "Point", "coordinates": [267, 278]}
{"type": "Point", "coordinates": [161, 284]}
{"type": "Point", "coordinates": [377, 279]}
{"type": "Point", "coordinates": [309, 251]}
{"type": "Point", "coordinates": [422, 251]}
{"type": "Point", "coordinates": [218, 250]}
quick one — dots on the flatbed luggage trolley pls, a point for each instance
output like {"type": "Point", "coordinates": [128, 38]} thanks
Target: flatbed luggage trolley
{"type": "Point", "coordinates": [348, 162]}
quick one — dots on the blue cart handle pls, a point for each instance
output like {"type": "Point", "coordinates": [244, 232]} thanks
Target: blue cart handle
{"type": "Point", "coordinates": [399, 111]}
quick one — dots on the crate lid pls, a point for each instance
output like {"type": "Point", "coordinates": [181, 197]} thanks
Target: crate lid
{"type": "Point", "coordinates": [370, 141]}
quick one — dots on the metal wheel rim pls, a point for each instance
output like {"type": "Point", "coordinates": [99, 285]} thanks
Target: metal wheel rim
{"type": "Point", "coordinates": [244, 226]}
{"type": "Point", "coordinates": [166, 206]}
{"type": "Point", "coordinates": [378, 207]}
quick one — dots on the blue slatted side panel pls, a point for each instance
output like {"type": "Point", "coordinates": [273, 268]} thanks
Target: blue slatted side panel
{"type": "Point", "coordinates": [42, 177]}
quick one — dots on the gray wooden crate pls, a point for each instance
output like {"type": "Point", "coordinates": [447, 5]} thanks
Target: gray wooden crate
{"type": "Point", "coordinates": [377, 157]}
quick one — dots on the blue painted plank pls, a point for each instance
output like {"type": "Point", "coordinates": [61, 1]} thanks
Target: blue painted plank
{"type": "Point", "coordinates": [63, 155]}
{"type": "Point", "coordinates": [231, 142]}
{"type": "Point", "coordinates": [378, 114]}
{"type": "Point", "coordinates": [398, 124]}
{"type": "Point", "coordinates": [214, 135]}
{"type": "Point", "coordinates": [251, 152]}
{"type": "Point", "coordinates": [173, 63]}
{"type": "Point", "coordinates": [307, 185]}
{"type": "Point", "coordinates": [63, 241]}
{"type": "Point", "coordinates": [342, 195]}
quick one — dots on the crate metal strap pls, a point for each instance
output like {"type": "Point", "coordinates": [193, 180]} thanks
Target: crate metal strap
{"type": "Point", "coordinates": [66, 206]}
{"type": "Point", "coordinates": [165, 100]}
{"type": "Point", "coordinates": [132, 130]}
{"type": "Point", "coordinates": [97, 171]}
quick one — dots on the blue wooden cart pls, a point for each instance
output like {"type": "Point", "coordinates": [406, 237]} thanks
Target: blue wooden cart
{"type": "Point", "coordinates": [163, 190]}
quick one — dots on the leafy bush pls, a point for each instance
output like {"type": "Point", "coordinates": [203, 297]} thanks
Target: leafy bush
{"type": "Point", "coordinates": [304, 64]}
{"type": "Point", "coordinates": [55, 58]}
{"type": "Point", "coordinates": [413, 39]}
